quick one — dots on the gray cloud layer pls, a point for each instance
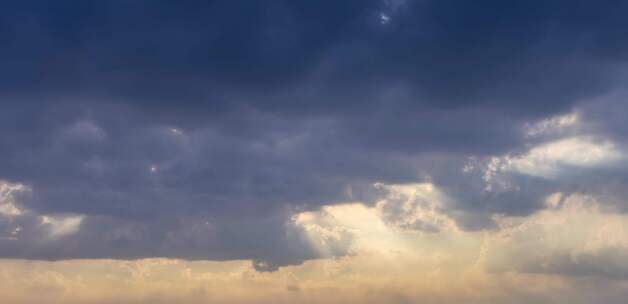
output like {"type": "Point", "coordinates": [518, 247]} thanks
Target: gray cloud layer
{"type": "Point", "coordinates": [196, 130]}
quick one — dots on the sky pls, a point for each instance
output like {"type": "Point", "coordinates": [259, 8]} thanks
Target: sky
{"type": "Point", "coordinates": [299, 151]}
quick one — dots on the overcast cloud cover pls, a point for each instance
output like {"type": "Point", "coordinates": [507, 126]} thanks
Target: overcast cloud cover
{"type": "Point", "coordinates": [208, 130]}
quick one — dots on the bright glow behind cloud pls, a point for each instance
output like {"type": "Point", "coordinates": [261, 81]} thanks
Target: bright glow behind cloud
{"type": "Point", "coordinates": [536, 256]}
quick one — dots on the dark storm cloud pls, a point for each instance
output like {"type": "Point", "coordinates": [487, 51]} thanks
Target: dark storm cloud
{"type": "Point", "coordinates": [158, 116]}
{"type": "Point", "coordinates": [526, 56]}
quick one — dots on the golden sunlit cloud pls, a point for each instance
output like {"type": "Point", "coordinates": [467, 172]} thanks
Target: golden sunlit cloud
{"type": "Point", "coordinates": [554, 249]}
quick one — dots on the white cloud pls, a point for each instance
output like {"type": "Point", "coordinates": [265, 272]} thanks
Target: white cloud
{"type": "Point", "coordinates": [415, 207]}
{"type": "Point", "coordinates": [557, 146]}
{"type": "Point", "coordinates": [550, 160]}
{"type": "Point", "coordinates": [574, 238]}
{"type": "Point", "coordinates": [8, 206]}
{"type": "Point", "coordinates": [355, 228]}
{"type": "Point", "coordinates": [546, 160]}
{"type": "Point", "coordinates": [552, 125]}
{"type": "Point", "coordinates": [59, 226]}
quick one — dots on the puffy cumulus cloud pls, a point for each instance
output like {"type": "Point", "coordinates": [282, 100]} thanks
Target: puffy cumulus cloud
{"type": "Point", "coordinates": [566, 153]}
{"type": "Point", "coordinates": [549, 160]}
{"type": "Point", "coordinates": [550, 144]}
{"type": "Point", "coordinates": [417, 207]}
{"type": "Point", "coordinates": [575, 236]}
